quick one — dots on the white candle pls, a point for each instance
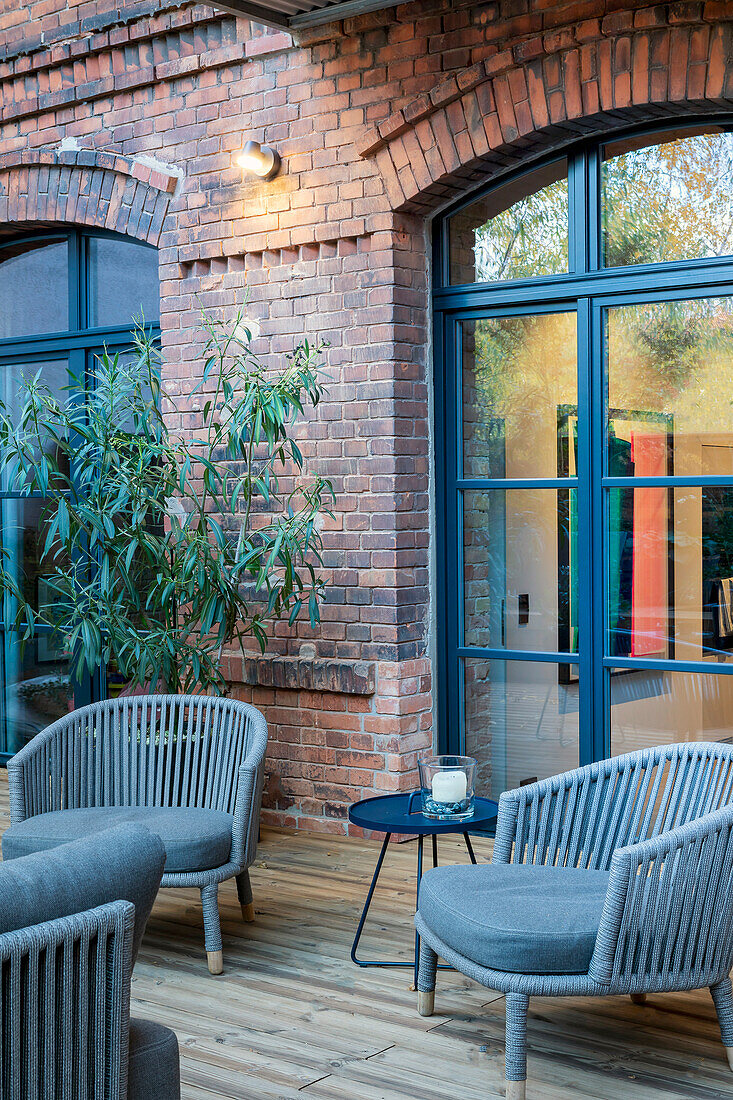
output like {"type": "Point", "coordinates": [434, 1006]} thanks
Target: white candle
{"type": "Point", "coordinates": [449, 786]}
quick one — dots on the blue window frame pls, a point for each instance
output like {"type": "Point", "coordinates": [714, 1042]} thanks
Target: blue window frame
{"type": "Point", "coordinates": [66, 294]}
{"type": "Point", "coordinates": [619, 528]}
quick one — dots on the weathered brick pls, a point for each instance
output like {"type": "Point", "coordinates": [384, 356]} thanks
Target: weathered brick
{"type": "Point", "coordinates": [378, 123]}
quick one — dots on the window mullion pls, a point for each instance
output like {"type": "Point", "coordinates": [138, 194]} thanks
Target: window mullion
{"type": "Point", "coordinates": [577, 232]}
{"type": "Point", "coordinates": [75, 267]}
{"type": "Point", "coordinates": [584, 211]}
{"type": "Point", "coordinates": [593, 207]}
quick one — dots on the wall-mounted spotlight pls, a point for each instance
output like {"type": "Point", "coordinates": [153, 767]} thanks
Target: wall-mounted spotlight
{"type": "Point", "coordinates": [260, 160]}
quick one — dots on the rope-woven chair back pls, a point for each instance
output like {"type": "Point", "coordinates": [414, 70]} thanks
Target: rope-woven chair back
{"type": "Point", "coordinates": [582, 817]}
{"type": "Point", "coordinates": [167, 750]}
{"type": "Point", "coordinates": [674, 915]}
{"type": "Point", "coordinates": [63, 1012]}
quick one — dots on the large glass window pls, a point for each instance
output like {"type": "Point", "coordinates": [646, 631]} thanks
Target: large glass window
{"type": "Point", "coordinates": [34, 287]}
{"type": "Point", "coordinates": [667, 197]}
{"type": "Point", "coordinates": [122, 281]}
{"type": "Point", "coordinates": [517, 231]}
{"type": "Point", "coordinates": [63, 296]}
{"type": "Point", "coordinates": [585, 472]}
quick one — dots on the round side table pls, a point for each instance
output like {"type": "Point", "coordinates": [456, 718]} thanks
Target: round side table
{"type": "Point", "coordinates": [391, 814]}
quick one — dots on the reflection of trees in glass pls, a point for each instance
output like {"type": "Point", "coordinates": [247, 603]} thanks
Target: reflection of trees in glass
{"type": "Point", "coordinates": [674, 357]}
{"type": "Point", "coordinates": [528, 239]}
{"type": "Point", "coordinates": [669, 201]}
{"type": "Point", "coordinates": [668, 334]}
{"type": "Point", "coordinates": [517, 371]}
{"type": "Point", "coordinates": [524, 356]}
{"type": "Point", "coordinates": [664, 357]}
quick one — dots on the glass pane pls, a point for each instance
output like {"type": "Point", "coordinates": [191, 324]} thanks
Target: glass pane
{"type": "Point", "coordinates": [520, 569]}
{"type": "Point", "coordinates": [23, 536]}
{"type": "Point", "coordinates": [37, 689]}
{"type": "Point", "coordinates": [34, 288]}
{"type": "Point", "coordinates": [657, 708]}
{"type": "Point", "coordinates": [123, 282]}
{"type": "Point", "coordinates": [54, 375]}
{"type": "Point", "coordinates": [670, 573]}
{"type": "Point", "coordinates": [519, 396]}
{"type": "Point", "coordinates": [521, 722]}
{"type": "Point", "coordinates": [670, 371]}
{"type": "Point", "coordinates": [516, 231]}
{"type": "Point", "coordinates": [667, 198]}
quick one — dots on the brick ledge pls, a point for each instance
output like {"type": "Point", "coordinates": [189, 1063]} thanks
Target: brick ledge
{"type": "Point", "coordinates": [303, 674]}
{"type": "Point", "coordinates": [117, 26]}
{"type": "Point", "coordinates": [159, 179]}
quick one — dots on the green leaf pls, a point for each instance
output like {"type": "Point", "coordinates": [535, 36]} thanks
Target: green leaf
{"type": "Point", "coordinates": [218, 533]}
{"type": "Point", "coordinates": [161, 594]}
{"type": "Point", "coordinates": [62, 519]}
{"type": "Point", "coordinates": [295, 611]}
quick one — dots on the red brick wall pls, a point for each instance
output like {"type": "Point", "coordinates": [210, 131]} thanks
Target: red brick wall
{"type": "Point", "coordinates": [380, 120]}
{"type": "Point", "coordinates": [616, 65]}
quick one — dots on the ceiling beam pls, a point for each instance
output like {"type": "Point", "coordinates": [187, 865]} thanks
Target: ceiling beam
{"type": "Point", "coordinates": [254, 11]}
{"type": "Point", "coordinates": [344, 10]}
{"type": "Point", "coordinates": [317, 17]}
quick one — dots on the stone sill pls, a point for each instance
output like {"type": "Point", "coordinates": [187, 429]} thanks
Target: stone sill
{"type": "Point", "coordinates": [305, 674]}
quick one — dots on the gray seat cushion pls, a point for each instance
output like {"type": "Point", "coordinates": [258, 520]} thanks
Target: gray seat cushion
{"type": "Point", "coordinates": [194, 840]}
{"type": "Point", "coordinates": [122, 864]}
{"type": "Point", "coordinates": [154, 1072]}
{"type": "Point", "coordinates": [524, 919]}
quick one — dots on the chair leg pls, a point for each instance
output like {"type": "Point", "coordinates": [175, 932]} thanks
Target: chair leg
{"type": "Point", "coordinates": [426, 980]}
{"type": "Point", "coordinates": [638, 998]}
{"type": "Point", "coordinates": [212, 928]}
{"type": "Point", "coordinates": [244, 890]}
{"type": "Point", "coordinates": [722, 995]}
{"type": "Point", "coordinates": [517, 1005]}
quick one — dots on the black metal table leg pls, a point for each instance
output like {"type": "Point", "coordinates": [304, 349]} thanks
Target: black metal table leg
{"type": "Point", "coordinates": [394, 816]}
{"type": "Point", "coordinates": [417, 904]}
{"type": "Point", "coordinates": [370, 894]}
{"type": "Point", "coordinates": [467, 839]}
{"type": "Point", "coordinates": [414, 965]}
{"type": "Point", "coordinates": [365, 910]}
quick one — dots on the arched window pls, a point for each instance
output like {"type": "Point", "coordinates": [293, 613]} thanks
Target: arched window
{"type": "Point", "coordinates": [64, 295]}
{"type": "Point", "coordinates": [584, 372]}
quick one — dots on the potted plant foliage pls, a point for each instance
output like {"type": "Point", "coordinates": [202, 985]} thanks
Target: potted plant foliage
{"type": "Point", "coordinates": [168, 537]}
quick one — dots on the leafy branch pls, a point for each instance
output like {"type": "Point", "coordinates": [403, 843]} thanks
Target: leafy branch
{"type": "Point", "coordinates": [162, 547]}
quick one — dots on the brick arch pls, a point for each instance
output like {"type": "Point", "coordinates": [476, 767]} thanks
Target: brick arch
{"type": "Point", "coordinates": [84, 187]}
{"type": "Point", "coordinates": [534, 99]}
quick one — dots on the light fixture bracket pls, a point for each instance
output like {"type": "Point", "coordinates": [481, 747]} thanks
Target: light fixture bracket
{"type": "Point", "coordinates": [261, 160]}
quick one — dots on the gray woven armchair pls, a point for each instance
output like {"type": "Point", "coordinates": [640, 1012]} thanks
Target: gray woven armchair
{"type": "Point", "coordinates": [189, 768]}
{"type": "Point", "coordinates": [614, 878]}
{"type": "Point", "coordinates": [71, 922]}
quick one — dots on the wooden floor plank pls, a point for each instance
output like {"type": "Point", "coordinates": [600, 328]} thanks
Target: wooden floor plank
{"type": "Point", "coordinates": [292, 1018]}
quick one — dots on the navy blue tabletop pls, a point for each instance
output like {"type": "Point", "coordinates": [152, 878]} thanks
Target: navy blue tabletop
{"type": "Point", "coordinates": [389, 814]}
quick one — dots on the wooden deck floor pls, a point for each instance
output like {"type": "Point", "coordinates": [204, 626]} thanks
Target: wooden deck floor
{"type": "Point", "coordinates": [292, 1019]}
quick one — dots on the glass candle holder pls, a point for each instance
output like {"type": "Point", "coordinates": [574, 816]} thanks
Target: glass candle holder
{"type": "Point", "coordinates": [446, 784]}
